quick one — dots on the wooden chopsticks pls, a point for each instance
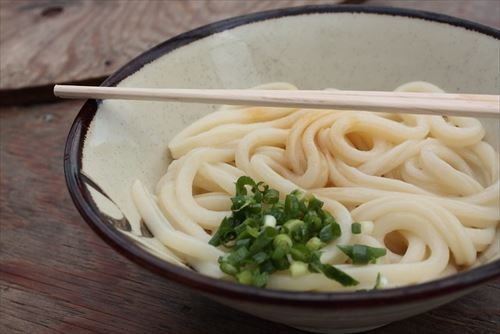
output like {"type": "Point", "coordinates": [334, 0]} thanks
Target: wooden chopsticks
{"type": "Point", "coordinates": [467, 105]}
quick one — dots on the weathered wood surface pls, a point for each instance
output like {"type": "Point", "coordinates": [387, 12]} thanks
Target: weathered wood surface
{"type": "Point", "coordinates": [57, 275]}
{"type": "Point", "coordinates": [59, 41]}
{"type": "Point", "coordinates": [48, 41]}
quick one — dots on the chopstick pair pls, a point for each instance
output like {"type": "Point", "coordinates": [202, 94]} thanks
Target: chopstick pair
{"type": "Point", "coordinates": [466, 105]}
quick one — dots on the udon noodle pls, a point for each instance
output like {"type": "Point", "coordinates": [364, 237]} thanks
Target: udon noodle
{"type": "Point", "coordinates": [426, 188]}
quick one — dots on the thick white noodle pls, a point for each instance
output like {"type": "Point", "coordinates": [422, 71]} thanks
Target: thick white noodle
{"type": "Point", "coordinates": [424, 187]}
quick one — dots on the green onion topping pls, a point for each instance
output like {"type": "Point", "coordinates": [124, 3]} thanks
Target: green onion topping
{"type": "Point", "coordinates": [356, 228]}
{"type": "Point", "coordinates": [361, 254]}
{"type": "Point", "coordinates": [265, 234]}
{"type": "Point", "coordinates": [378, 282]}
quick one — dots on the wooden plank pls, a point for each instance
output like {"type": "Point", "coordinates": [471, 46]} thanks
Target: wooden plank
{"type": "Point", "coordinates": [56, 275]}
{"type": "Point", "coordinates": [43, 42]}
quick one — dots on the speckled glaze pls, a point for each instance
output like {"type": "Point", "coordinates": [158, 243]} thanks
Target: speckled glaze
{"type": "Point", "coordinates": [113, 142]}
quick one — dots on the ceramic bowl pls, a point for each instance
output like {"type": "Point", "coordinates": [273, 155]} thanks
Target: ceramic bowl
{"type": "Point", "coordinates": [111, 143]}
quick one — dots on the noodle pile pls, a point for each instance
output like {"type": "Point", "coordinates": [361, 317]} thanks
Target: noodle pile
{"type": "Point", "coordinates": [424, 187]}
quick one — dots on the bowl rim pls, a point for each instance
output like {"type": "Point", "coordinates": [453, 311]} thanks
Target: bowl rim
{"type": "Point", "coordinates": [76, 183]}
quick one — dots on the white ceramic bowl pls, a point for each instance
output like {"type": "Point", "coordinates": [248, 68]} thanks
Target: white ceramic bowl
{"type": "Point", "coordinates": [112, 143]}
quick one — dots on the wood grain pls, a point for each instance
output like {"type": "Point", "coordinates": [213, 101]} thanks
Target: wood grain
{"type": "Point", "coordinates": [56, 275]}
{"type": "Point", "coordinates": [43, 41]}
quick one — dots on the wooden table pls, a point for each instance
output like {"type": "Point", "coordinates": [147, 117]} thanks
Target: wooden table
{"type": "Point", "coordinates": [56, 275]}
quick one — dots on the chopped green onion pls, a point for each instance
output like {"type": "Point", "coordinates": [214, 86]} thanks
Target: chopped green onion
{"type": "Point", "coordinates": [281, 264]}
{"type": "Point", "coordinates": [260, 279]}
{"type": "Point", "coordinates": [282, 241]}
{"type": "Point", "coordinates": [300, 252]}
{"type": "Point", "coordinates": [279, 253]}
{"type": "Point", "coordinates": [297, 193]}
{"type": "Point", "coordinates": [264, 233]}
{"type": "Point", "coordinates": [243, 235]}
{"type": "Point", "coordinates": [377, 282]}
{"type": "Point", "coordinates": [331, 272]}
{"type": "Point", "coordinates": [314, 244]}
{"type": "Point", "coordinates": [260, 257]}
{"type": "Point", "coordinates": [241, 227]}
{"type": "Point", "coordinates": [296, 228]}
{"type": "Point", "coordinates": [292, 207]}
{"type": "Point", "coordinates": [241, 183]}
{"type": "Point", "coordinates": [362, 254]}
{"type": "Point", "coordinates": [263, 239]}
{"type": "Point", "coordinates": [225, 228]}
{"type": "Point", "coordinates": [269, 221]}
{"type": "Point", "coordinates": [338, 275]}
{"type": "Point", "coordinates": [236, 257]}
{"type": "Point", "coordinates": [267, 267]}
{"type": "Point", "coordinates": [228, 268]}
{"type": "Point", "coordinates": [329, 232]}
{"type": "Point", "coordinates": [271, 196]}
{"type": "Point", "coordinates": [254, 232]}
{"type": "Point", "coordinates": [245, 277]}
{"type": "Point", "coordinates": [293, 224]}
{"type": "Point", "coordinates": [243, 242]}
{"type": "Point", "coordinates": [314, 204]}
{"type": "Point", "coordinates": [298, 268]}
{"type": "Point", "coordinates": [326, 217]}
{"type": "Point", "coordinates": [314, 222]}
{"type": "Point", "coordinates": [356, 228]}
{"type": "Point", "coordinates": [277, 213]}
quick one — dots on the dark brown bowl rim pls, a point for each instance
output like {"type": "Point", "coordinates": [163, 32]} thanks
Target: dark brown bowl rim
{"type": "Point", "coordinates": [223, 289]}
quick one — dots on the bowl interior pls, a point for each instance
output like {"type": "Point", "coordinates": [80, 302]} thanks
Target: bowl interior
{"type": "Point", "coordinates": [362, 50]}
